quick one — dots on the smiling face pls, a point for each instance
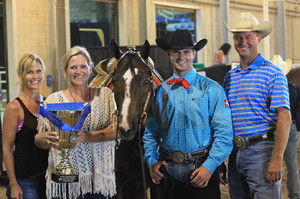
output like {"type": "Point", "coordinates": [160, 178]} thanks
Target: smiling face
{"type": "Point", "coordinates": [78, 71]}
{"type": "Point", "coordinates": [182, 60]}
{"type": "Point", "coordinates": [33, 76]}
{"type": "Point", "coordinates": [246, 45]}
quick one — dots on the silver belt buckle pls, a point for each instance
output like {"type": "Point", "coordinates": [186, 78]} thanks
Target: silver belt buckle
{"type": "Point", "coordinates": [178, 157]}
{"type": "Point", "coordinates": [239, 142]}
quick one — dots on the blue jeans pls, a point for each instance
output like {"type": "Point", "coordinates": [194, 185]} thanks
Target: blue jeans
{"type": "Point", "coordinates": [180, 172]}
{"type": "Point", "coordinates": [290, 157]}
{"type": "Point", "coordinates": [248, 170]}
{"type": "Point", "coordinates": [33, 187]}
{"type": "Point", "coordinates": [176, 184]}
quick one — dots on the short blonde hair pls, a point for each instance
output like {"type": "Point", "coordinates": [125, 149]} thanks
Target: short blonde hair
{"type": "Point", "coordinates": [28, 59]}
{"type": "Point", "coordinates": [76, 50]}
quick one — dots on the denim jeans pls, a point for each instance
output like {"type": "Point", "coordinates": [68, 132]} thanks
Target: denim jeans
{"type": "Point", "coordinates": [290, 157]}
{"type": "Point", "coordinates": [176, 184]}
{"type": "Point", "coordinates": [33, 187]}
{"type": "Point", "coordinates": [180, 172]}
{"type": "Point", "coordinates": [248, 170]}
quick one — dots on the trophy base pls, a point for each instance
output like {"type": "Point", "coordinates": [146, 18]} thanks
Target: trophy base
{"type": "Point", "coordinates": [64, 178]}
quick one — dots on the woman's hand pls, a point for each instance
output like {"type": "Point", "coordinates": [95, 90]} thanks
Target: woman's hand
{"type": "Point", "coordinates": [46, 139]}
{"type": "Point", "coordinates": [82, 137]}
{"type": "Point", "coordinates": [102, 135]}
{"type": "Point", "coordinates": [16, 192]}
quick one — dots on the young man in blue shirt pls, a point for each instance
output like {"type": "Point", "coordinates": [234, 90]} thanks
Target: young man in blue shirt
{"type": "Point", "coordinates": [189, 130]}
{"type": "Point", "coordinates": [259, 100]}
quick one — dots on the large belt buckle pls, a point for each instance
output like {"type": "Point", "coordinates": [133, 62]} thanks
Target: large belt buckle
{"type": "Point", "coordinates": [178, 157]}
{"type": "Point", "coordinates": [239, 142]}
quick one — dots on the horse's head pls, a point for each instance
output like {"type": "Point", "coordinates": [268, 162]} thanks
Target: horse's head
{"type": "Point", "coordinates": [132, 88]}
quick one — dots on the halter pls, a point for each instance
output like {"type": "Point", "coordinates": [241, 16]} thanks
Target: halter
{"type": "Point", "coordinates": [143, 115]}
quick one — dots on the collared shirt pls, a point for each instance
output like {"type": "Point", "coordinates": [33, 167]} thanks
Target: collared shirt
{"type": "Point", "coordinates": [190, 119]}
{"type": "Point", "coordinates": [254, 94]}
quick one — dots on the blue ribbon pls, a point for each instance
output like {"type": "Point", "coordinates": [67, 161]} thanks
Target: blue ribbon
{"type": "Point", "coordinates": [45, 109]}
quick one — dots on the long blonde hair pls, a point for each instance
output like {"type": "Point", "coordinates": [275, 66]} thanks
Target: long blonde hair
{"type": "Point", "coordinates": [25, 61]}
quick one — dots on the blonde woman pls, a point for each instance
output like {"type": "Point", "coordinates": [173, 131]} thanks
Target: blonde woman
{"type": "Point", "coordinates": [25, 163]}
{"type": "Point", "coordinates": [93, 158]}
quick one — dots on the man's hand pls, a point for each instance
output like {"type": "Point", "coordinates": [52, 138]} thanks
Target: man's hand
{"type": "Point", "coordinates": [281, 137]}
{"type": "Point", "coordinates": [200, 177]}
{"type": "Point", "coordinates": [274, 170]}
{"type": "Point", "coordinates": [156, 175]}
{"type": "Point", "coordinates": [222, 170]}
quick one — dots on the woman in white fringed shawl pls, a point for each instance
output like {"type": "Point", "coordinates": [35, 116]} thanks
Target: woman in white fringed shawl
{"type": "Point", "coordinates": [93, 158]}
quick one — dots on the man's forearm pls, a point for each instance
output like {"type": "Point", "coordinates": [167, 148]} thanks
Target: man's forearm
{"type": "Point", "coordinates": [282, 132]}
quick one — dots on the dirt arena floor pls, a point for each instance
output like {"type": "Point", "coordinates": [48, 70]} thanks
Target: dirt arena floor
{"type": "Point", "coordinates": [224, 189]}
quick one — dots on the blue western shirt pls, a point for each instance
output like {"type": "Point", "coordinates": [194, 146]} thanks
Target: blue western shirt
{"type": "Point", "coordinates": [254, 94]}
{"type": "Point", "coordinates": [190, 119]}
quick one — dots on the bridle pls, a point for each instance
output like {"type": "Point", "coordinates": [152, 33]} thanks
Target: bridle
{"type": "Point", "coordinates": [143, 115]}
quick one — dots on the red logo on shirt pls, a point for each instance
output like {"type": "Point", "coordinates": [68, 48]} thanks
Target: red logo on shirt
{"type": "Point", "coordinates": [226, 103]}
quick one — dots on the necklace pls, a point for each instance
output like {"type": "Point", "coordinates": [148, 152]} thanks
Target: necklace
{"type": "Point", "coordinates": [32, 100]}
{"type": "Point", "coordinates": [74, 97]}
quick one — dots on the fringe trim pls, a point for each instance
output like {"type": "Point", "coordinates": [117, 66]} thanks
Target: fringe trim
{"type": "Point", "coordinates": [105, 185]}
{"type": "Point", "coordinates": [85, 184]}
{"type": "Point", "coordinates": [74, 190]}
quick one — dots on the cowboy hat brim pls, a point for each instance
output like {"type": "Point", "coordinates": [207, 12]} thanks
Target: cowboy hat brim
{"type": "Point", "coordinates": [288, 66]}
{"type": "Point", "coordinates": [164, 45]}
{"type": "Point", "coordinates": [285, 66]}
{"type": "Point", "coordinates": [264, 28]}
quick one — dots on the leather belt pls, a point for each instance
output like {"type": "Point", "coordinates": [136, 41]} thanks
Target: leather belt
{"type": "Point", "coordinates": [179, 157]}
{"type": "Point", "coordinates": [241, 142]}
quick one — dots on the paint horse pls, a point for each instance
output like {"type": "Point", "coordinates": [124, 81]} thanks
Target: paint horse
{"type": "Point", "coordinates": [132, 75]}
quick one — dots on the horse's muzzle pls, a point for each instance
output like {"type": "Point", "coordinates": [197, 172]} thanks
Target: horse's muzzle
{"type": "Point", "coordinates": [126, 134]}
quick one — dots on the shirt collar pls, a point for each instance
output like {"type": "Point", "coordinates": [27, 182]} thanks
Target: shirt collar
{"type": "Point", "coordinates": [190, 76]}
{"type": "Point", "coordinates": [258, 61]}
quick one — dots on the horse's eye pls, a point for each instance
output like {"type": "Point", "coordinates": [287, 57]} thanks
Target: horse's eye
{"type": "Point", "coordinates": [146, 81]}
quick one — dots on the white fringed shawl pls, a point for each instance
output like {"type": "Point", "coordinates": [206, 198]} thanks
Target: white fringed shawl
{"type": "Point", "coordinates": [94, 162]}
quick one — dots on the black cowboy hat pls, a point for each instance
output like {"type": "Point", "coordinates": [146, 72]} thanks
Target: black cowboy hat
{"type": "Point", "coordinates": [180, 39]}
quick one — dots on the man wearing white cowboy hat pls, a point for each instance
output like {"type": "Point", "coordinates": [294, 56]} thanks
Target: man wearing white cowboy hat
{"type": "Point", "coordinates": [259, 99]}
{"type": "Point", "coordinates": [189, 130]}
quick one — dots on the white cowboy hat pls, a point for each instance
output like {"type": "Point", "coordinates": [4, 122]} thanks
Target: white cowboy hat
{"type": "Point", "coordinates": [246, 22]}
{"type": "Point", "coordinates": [285, 66]}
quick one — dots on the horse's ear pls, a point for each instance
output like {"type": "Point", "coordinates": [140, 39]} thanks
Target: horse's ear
{"type": "Point", "coordinates": [115, 49]}
{"type": "Point", "coordinates": [145, 52]}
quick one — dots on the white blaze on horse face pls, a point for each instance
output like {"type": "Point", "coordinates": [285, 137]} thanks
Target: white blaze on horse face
{"type": "Point", "coordinates": [128, 76]}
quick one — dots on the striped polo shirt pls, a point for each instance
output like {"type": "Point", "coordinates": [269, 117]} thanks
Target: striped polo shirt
{"type": "Point", "coordinates": [254, 94]}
